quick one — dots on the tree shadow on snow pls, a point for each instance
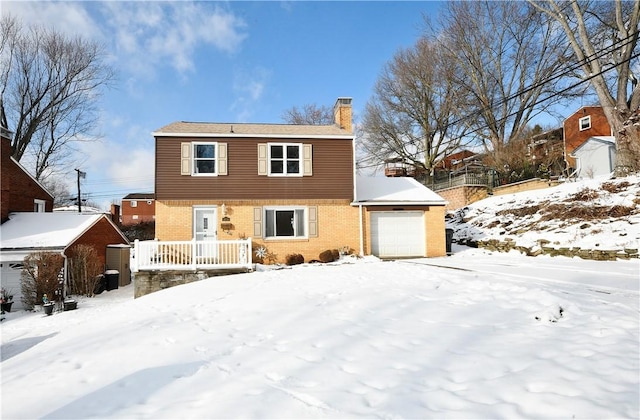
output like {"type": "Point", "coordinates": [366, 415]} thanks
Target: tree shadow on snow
{"type": "Point", "coordinates": [15, 347]}
{"type": "Point", "coordinates": [125, 393]}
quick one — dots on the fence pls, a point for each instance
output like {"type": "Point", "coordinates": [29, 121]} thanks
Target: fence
{"type": "Point", "coordinates": [463, 179]}
{"type": "Point", "coordinates": [191, 255]}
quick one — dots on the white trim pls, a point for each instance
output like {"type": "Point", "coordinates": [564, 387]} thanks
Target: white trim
{"type": "Point", "coordinates": [305, 210]}
{"type": "Point", "coordinates": [586, 118]}
{"type": "Point", "coordinates": [215, 158]}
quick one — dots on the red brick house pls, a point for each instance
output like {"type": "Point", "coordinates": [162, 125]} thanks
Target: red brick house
{"type": "Point", "coordinates": [138, 208]}
{"type": "Point", "coordinates": [20, 191]}
{"type": "Point", "coordinates": [588, 121]}
{"type": "Point", "coordinates": [290, 188]}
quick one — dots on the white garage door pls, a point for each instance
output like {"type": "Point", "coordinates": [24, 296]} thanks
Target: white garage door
{"type": "Point", "coordinates": [10, 273]}
{"type": "Point", "coordinates": [397, 233]}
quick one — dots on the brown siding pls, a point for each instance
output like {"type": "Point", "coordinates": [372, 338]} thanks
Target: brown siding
{"type": "Point", "coordinates": [332, 173]}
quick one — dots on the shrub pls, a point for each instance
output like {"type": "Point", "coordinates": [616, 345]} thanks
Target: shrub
{"type": "Point", "coordinates": [294, 259]}
{"type": "Point", "coordinates": [326, 256]}
{"type": "Point", "coordinates": [84, 269]}
{"type": "Point", "coordinates": [40, 277]}
{"type": "Point", "coordinates": [336, 254]}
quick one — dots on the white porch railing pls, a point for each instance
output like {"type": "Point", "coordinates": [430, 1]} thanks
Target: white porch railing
{"type": "Point", "coordinates": [191, 255]}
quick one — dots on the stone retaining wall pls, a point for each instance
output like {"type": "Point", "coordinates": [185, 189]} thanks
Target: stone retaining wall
{"type": "Point", "coordinates": [543, 249]}
{"type": "Point", "coordinates": [150, 281]}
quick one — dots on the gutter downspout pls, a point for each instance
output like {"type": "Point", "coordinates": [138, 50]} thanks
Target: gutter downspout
{"type": "Point", "coordinates": [361, 231]}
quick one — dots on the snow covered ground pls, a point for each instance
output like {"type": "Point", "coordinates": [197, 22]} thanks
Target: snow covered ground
{"type": "Point", "coordinates": [474, 335]}
{"type": "Point", "coordinates": [594, 214]}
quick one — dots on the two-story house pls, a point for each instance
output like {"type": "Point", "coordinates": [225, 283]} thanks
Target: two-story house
{"type": "Point", "coordinates": [138, 208]}
{"type": "Point", "coordinates": [291, 188]}
{"type": "Point", "coordinates": [21, 192]}
{"type": "Point", "coordinates": [585, 123]}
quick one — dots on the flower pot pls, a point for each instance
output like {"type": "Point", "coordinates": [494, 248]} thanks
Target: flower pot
{"type": "Point", "coordinates": [6, 307]}
{"type": "Point", "coordinates": [48, 308]}
{"type": "Point", "coordinates": [70, 305]}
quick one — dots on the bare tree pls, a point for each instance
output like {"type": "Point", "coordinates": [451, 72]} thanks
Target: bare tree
{"type": "Point", "coordinates": [411, 113]}
{"type": "Point", "coordinates": [59, 190]}
{"type": "Point", "coordinates": [310, 114]}
{"type": "Point", "coordinates": [50, 85]}
{"type": "Point", "coordinates": [507, 58]}
{"type": "Point", "coordinates": [604, 37]}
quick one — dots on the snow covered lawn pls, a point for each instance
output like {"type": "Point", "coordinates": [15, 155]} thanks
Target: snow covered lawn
{"type": "Point", "coordinates": [497, 336]}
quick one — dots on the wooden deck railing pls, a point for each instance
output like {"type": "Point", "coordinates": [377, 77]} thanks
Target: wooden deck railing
{"type": "Point", "coordinates": [191, 255]}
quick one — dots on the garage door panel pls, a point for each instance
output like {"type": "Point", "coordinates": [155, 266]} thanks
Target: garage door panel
{"type": "Point", "coordinates": [398, 234]}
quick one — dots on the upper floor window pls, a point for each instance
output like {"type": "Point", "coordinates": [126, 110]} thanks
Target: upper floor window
{"type": "Point", "coordinates": [284, 159]}
{"type": "Point", "coordinates": [585, 123]}
{"type": "Point", "coordinates": [39, 206]}
{"type": "Point", "coordinates": [134, 203]}
{"type": "Point", "coordinates": [204, 158]}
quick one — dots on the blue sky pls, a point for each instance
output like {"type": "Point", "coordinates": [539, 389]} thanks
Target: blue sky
{"type": "Point", "coordinates": [238, 61]}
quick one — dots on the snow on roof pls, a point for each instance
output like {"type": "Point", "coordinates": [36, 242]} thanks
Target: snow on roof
{"type": "Point", "coordinates": [401, 190]}
{"type": "Point", "coordinates": [44, 230]}
{"type": "Point", "coordinates": [85, 209]}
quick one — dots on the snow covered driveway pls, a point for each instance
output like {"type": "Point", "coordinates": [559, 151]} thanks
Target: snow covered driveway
{"type": "Point", "coordinates": [518, 337]}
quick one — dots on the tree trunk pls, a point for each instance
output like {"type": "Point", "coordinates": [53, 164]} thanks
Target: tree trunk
{"type": "Point", "coordinates": [627, 141]}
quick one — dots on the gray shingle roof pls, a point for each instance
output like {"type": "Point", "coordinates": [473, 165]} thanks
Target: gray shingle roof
{"type": "Point", "coordinates": [185, 128]}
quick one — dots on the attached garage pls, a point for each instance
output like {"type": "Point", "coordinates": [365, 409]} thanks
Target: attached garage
{"type": "Point", "coordinates": [398, 234]}
{"type": "Point", "coordinates": [399, 218]}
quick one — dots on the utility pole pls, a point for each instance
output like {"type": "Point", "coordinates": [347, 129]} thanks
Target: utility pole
{"type": "Point", "coordinates": [80, 175]}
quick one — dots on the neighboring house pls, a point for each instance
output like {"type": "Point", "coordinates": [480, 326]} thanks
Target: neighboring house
{"type": "Point", "coordinates": [25, 233]}
{"type": "Point", "coordinates": [21, 192]}
{"type": "Point", "coordinates": [587, 122]}
{"type": "Point", "coordinates": [138, 208]}
{"type": "Point", "coordinates": [291, 188]}
{"type": "Point", "coordinates": [596, 156]}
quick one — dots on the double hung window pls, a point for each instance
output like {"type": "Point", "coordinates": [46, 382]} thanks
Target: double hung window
{"type": "Point", "coordinates": [285, 159]}
{"type": "Point", "coordinates": [585, 123]}
{"type": "Point", "coordinates": [204, 158]}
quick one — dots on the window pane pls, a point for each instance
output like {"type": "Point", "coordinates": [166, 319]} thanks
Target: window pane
{"type": "Point", "coordinates": [284, 223]}
{"type": "Point", "coordinates": [205, 166]}
{"type": "Point", "coordinates": [270, 224]}
{"type": "Point", "coordinates": [277, 152]}
{"type": "Point", "coordinates": [206, 151]}
{"type": "Point", "coordinates": [299, 218]}
{"type": "Point", "coordinates": [293, 167]}
{"type": "Point", "coordinates": [277, 166]}
{"type": "Point", "coordinates": [293, 152]}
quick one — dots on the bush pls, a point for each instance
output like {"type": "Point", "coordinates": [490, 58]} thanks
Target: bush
{"type": "Point", "coordinates": [84, 269]}
{"type": "Point", "coordinates": [40, 277]}
{"type": "Point", "coordinates": [336, 254]}
{"type": "Point", "coordinates": [294, 259]}
{"type": "Point", "coordinates": [327, 256]}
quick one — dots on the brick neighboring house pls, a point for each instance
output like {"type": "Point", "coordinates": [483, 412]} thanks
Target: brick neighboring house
{"type": "Point", "coordinates": [291, 188]}
{"type": "Point", "coordinates": [586, 122]}
{"type": "Point", "coordinates": [21, 192]}
{"type": "Point", "coordinates": [138, 208]}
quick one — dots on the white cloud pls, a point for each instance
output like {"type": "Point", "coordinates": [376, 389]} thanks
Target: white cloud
{"type": "Point", "coordinates": [249, 88]}
{"type": "Point", "coordinates": [148, 35]}
{"type": "Point", "coordinates": [71, 18]}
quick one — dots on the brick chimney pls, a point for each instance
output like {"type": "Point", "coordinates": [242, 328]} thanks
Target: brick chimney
{"type": "Point", "coordinates": [342, 114]}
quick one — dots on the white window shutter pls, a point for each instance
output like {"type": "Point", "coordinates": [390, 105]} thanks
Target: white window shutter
{"type": "Point", "coordinates": [257, 222]}
{"type": "Point", "coordinates": [262, 159]}
{"type": "Point", "coordinates": [185, 159]}
{"type": "Point", "coordinates": [313, 221]}
{"type": "Point", "coordinates": [222, 159]}
{"type": "Point", "coordinates": [307, 167]}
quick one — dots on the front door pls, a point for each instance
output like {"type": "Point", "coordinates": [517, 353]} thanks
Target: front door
{"type": "Point", "coordinates": [205, 230]}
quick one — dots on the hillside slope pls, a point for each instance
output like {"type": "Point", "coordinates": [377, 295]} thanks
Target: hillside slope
{"type": "Point", "coordinates": [583, 218]}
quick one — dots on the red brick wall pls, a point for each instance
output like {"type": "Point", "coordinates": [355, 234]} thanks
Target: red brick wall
{"type": "Point", "coordinates": [18, 188]}
{"type": "Point", "coordinates": [100, 235]}
{"type": "Point", "coordinates": [573, 137]}
{"type": "Point", "coordinates": [146, 212]}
